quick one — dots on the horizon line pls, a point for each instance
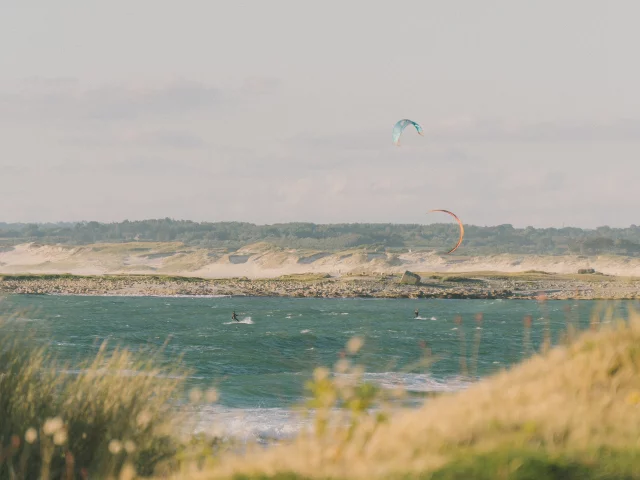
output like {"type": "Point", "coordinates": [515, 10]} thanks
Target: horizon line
{"type": "Point", "coordinates": [75, 222]}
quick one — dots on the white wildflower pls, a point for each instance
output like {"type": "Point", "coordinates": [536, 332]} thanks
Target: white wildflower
{"type": "Point", "coordinates": [354, 345]}
{"type": "Point", "coordinates": [60, 437]}
{"type": "Point", "coordinates": [320, 374]}
{"type": "Point", "coordinates": [212, 395]}
{"type": "Point", "coordinates": [31, 435]}
{"type": "Point", "coordinates": [195, 395]}
{"type": "Point", "coordinates": [115, 447]}
{"type": "Point", "coordinates": [52, 425]}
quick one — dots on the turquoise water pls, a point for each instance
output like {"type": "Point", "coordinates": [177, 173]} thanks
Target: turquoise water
{"type": "Point", "coordinates": [260, 364]}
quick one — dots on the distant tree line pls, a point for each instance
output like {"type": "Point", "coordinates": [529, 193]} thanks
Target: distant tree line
{"type": "Point", "coordinates": [333, 237]}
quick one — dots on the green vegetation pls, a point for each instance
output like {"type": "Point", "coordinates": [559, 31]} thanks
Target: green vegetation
{"type": "Point", "coordinates": [303, 277]}
{"type": "Point", "coordinates": [535, 465]}
{"type": "Point", "coordinates": [531, 275]}
{"type": "Point", "coordinates": [69, 276]}
{"type": "Point", "coordinates": [40, 276]}
{"type": "Point", "coordinates": [98, 420]}
{"type": "Point", "coordinates": [112, 415]}
{"type": "Point", "coordinates": [229, 236]}
{"type": "Point", "coordinates": [516, 465]}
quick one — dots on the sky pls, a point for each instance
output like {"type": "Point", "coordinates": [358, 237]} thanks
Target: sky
{"type": "Point", "coordinates": [282, 111]}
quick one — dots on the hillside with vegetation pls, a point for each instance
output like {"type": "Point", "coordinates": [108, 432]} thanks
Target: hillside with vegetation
{"type": "Point", "coordinates": [568, 411]}
{"type": "Point", "coordinates": [334, 237]}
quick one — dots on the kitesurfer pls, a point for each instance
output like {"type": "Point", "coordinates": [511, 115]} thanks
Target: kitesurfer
{"type": "Point", "coordinates": [234, 316]}
{"type": "Point", "coordinates": [417, 313]}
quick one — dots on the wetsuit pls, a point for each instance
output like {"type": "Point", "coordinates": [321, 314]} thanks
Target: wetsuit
{"type": "Point", "coordinates": [234, 317]}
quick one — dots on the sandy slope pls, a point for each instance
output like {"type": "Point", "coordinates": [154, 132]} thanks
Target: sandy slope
{"type": "Point", "coordinates": [264, 261]}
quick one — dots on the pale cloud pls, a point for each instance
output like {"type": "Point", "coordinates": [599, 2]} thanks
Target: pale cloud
{"type": "Point", "coordinates": [477, 130]}
{"type": "Point", "coordinates": [13, 170]}
{"type": "Point", "coordinates": [170, 139]}
{"type": "Point", "coordinates": [134, 166]}
{"type": "Point", "coordinates": [48, 84]}
{"type": "Point", "coordinates": [118, 102]}
{"type": "Point", "coordinates": [261, 85]}
{"type": "Point", "coordinates": [502, 130]}
{"type": "Point", "coordinates": [65, 102]}
{"type": "Point", "coordinates": [107, 103]}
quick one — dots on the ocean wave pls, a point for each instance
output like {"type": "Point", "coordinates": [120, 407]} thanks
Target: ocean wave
{"type": "Point", "coordinates": [417, 382]}
{"type": "Point", "coordinates": [126, 373]}
{"type": "Point", "coordinates": [245, 321]}
{"type": "Point", "coordinates": [264, 425]}
{"type": "Point", "coordinates": [135, 295]}
{"type": "Point", "coordinates": [414, 382]}
{"type": "Point", "coordinates": [245, 424]}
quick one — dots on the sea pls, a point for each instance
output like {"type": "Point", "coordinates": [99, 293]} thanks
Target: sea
{"type": "Point", "coordinates": [259, 365]}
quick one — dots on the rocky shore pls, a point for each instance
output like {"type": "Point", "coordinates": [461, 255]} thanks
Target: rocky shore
{"type": "Point", "coordinates": [460, 286]}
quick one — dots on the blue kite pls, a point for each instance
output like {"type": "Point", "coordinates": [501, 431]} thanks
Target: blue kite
{"type": "Point", "coordinates": [399, 127]}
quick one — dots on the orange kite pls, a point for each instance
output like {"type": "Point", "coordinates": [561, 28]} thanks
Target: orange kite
{"type": "Point", "coordinates": [459, 223]}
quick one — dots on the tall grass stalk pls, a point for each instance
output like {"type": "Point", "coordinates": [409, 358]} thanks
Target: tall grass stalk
{"type": "Point", "coordinates": [464, 371]}
{"type": "Point", "coordinates": [113, 409]}
{"type": "Point", "coordinates": [526, 341]}
{"type": "Point", "coordinates": [546, 340]}
{"type": "Point", "coordinates": [476, 345]}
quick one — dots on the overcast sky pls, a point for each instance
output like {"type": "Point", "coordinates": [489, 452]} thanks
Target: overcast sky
{"type": "Point", "coordinates": [277, 111]}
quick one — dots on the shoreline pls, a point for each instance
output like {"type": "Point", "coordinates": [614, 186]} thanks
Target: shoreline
{"type": "Point", "coordinates": [472, 285]}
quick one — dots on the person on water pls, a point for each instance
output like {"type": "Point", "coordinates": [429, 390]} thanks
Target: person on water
{"type": "Point", "coordinates": [417, 313]}
{"type": "Point", "coordinates": [234, 316]}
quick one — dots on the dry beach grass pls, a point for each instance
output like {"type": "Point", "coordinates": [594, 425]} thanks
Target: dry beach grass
{"type": "Point", "coordinates": [106, 414]}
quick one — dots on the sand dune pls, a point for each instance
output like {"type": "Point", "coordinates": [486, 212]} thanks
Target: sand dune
{"type": "Point", "coordinates": [265, 261]}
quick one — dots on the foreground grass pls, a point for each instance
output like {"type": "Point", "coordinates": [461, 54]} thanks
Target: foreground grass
{"type": "Point", "coordinates": [513, 464]}
{"type": "Point", "coordinates": [109, 415]}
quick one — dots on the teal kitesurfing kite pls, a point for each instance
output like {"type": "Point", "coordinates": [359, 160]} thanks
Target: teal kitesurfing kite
{"type": "Point", "coordinates": [399, 127]}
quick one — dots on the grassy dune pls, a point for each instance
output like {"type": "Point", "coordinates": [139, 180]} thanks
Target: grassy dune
{"type": "Point", "coordinates": [268, 260]}
{"type": "Point", "coordinates": [572, 412]}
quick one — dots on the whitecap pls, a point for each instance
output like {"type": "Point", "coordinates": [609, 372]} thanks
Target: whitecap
{"type": "Point", "coordinates": [245, 321]}
{"type": "Point", "coordinates": [246, 424]}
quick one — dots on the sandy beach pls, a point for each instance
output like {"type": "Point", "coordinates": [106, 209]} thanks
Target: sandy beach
{"type": "Point", "coordinates": [262, 260]}
{"type": "Point", "coordinates": [146, 268]}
